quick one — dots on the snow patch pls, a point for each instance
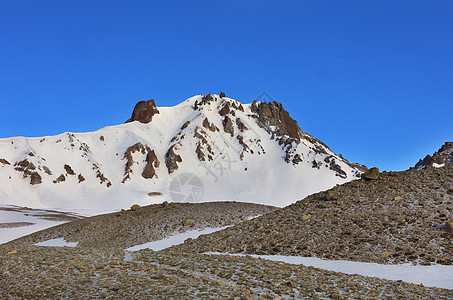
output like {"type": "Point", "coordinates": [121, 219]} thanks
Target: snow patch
{"type": "Point", "coordinates": [438, 165]}
{"type": "Point", "coordinates": [57, 243]}
{"type": "Point", "coordinates": [440, 276]}
{"type": "Point", "coordinates": [174, 239]}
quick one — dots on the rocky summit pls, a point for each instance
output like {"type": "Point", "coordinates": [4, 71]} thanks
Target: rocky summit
{"type": "Point", "coordinates": [225, 145]}
{"type": "Point", "coordinates": [443, 157]}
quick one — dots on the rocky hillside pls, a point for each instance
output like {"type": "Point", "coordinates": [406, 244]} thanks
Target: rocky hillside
{"type": "Point", "coordinates": [404, 217]}
{"type": "Point", "coordinates": [443, 157]}
{"type": "Point", "coordinates": [140, 225]}
{"type": "Point", "coordinates": [207, 148]}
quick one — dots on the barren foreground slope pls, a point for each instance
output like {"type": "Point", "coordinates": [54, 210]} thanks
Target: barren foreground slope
{"type": "Point", "coordinates": [49, 272]}
{"type": "Point", "coordinates": [398, 218]}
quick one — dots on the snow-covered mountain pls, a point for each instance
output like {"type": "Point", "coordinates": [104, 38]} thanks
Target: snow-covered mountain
{"type": "Point", "coordinates": [207, 148]}
{"type": "Point", "coordinates": [443, 157]}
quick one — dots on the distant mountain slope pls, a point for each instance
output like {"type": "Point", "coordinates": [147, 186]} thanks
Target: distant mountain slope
{"type": "Point", "coordinates": [400, 217]}
{"type": "Point", "coordinates": [140, 225]}
{"type": "Point", "coordinates": [443, 157]}
{"type": "Point", "coordinates": [207, 148]}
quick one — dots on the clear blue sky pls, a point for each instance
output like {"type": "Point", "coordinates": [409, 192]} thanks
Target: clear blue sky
{"type": "Point", "coordinates": [371, 79]}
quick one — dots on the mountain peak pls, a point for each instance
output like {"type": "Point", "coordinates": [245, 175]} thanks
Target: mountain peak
{"type": "Point", "coordinates": [228, 146]}
{"type": "Point", "coordinates": [443, 157]}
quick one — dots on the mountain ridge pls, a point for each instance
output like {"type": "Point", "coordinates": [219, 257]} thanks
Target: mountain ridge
{"type": "Point", "coordinates": [229, 146]}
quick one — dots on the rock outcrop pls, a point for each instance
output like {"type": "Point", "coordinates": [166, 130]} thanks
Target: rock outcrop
{"type": "Point", "coordinates": [144, 111]}
{"type": "Point", "coordinates": [172, 159]}
{"type": "Point", "coordinates": [273, 114]}
{"type": "Point", "coordinates": [228, 126]}
{"type": "Point", "coordinates": [151, 164]}
{"type": "Point", "coordinates": [443, 157]}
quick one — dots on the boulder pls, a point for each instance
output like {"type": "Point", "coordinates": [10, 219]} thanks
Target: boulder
{"type": "Point", "coordinates": [371, 174]}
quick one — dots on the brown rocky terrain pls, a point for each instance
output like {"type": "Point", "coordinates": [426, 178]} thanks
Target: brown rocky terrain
{"type": "Point", "coordinates": [140, 225]}
{"type": "Point", "coordinates": [30, 272]}
{"type": "Point", "coordinates": [395, 217]}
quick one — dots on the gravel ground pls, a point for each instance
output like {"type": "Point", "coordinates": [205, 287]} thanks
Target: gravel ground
{"type": "Point", "coordinates": [398, 218]}
{"type": "Point", "coordinates": [50, 272]}
{"type": "Point", "coordinates": [140, 225]}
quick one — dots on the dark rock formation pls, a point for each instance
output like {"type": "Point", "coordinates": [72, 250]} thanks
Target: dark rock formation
{"type": "Point", "coordinates": [200, 154]}
{"type": "Point", "coordinates": [172, 159]}
{"type": "Point", "coordinates": [144, 111]}
{"type": "Point", "coordinates": [69, 170]}
{"type": "Point", "coordinates": [102, 178]}
{"type": "Point", "coordinates": [80, 178]}
{"type": "Point", "coordinates": [35, 178]}
{"type": "Point", "coordinates": [209, 126]}
{"type": "Point", "coordinates": [222, 95]}
{"type": "Point", "coordinates": [371, 174]}
{"type": "Point", "coordinates": [443, 157]}
{"type": "Point", "coordinates": [207, 99]}
{"type": "Point", "coordinates": [241, 125]}
{"type": "Point", "coordinates": [47, 170]}
{"type": "Point", "coordinates": [224, 110]}
{"type": "Point", "coordinates": [151, 164]}
{"type": "Point", "coordinates": [273, 114]}
{"type": "Point", "coordinates": [151, 161]}
{"type": "Point", "coordinates": [24, 166]}
{"type": "Point", "coordinates": [228, 126]}
{"type": "Point", "coordinates": [60, 178]}
{"type": "Point", "coordinates": [184, 126]}
{"type": "Point", "coordinates": [4, 161]}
